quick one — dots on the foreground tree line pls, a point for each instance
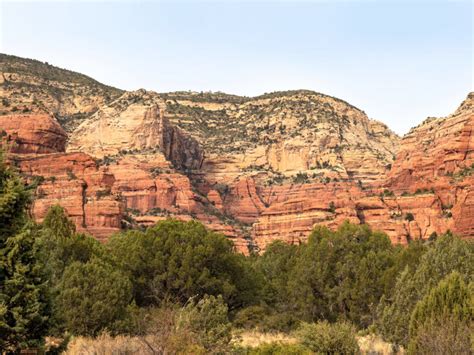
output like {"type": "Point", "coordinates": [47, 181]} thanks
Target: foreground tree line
{"type": "Point", "coordinates": [177, 287]}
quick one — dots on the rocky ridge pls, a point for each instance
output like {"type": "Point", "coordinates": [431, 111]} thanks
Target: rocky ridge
{"type": "Point", "coordinates": [257, 169]}
{"type": "Point", "coordinates": [31, 86]}
{"type": "Point", "coordinates": [280, 135]}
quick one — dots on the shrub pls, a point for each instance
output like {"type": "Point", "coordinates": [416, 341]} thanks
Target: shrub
{"type": "Point", "coordinates": [387, 193]}
{"type": "Point", "coordinates": [71, 175]}
{"type": "Point", "coordinates": [332, 207]}
{"type": "Point", "coordinates": [409, 217]}
{"type": "Point", "coordinates": [200, 327]}
{"type": "Point", "coordinates": [180, 260]}
{"type": "Point", "coordinates": [93, 297]}
{"type": "Point", "coordinates": [341, 274]}
{"type": "Point", "coordinates": [278, 349]}
{"type": "Point", "coordinates": [445, 336]}
{"type": "Point", "coordinates": [301, 178]}
{"type": "Point", "coordinates": [208, 319]}
{"type": "Point", "coordinates": [103, 193]}
{"type": "Point", "coordinates": [447, 254]}
{"type": "Point", "coordinates": [440, 320]}
{"type": "Point", "coordinates": [223, 189]}
{"type": "Point", "coordinates": [326, 338]}
{"type": "Point", "coordinates": [265, 319]}
{"type": "Point", "coordinates": [251, 317]}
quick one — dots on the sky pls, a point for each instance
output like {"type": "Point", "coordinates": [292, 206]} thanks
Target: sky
{"type": "Point", "coordinates": [399, 61]}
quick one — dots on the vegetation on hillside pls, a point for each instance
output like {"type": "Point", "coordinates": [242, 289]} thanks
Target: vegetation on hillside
{"type": "Point", "coordinates": [33, 86]}
{"type": "Point", "coordinates": [227, 123]}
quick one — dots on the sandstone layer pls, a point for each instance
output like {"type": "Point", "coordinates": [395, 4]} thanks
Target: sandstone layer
{"type": "Point", "coordinates": [256, 169]}
{"type": "Point", "coordinates": [38, 133]}
{"type": "Point", "coordinates": [134, 123]}
{"type": "Point", "coordinates": [284, 136]}
{"type": "Point", "coordinates": [428, 191]}
{"type": "Point", "coordinates": [75, 182]}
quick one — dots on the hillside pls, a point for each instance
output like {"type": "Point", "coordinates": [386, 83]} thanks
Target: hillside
{"type": "Point", "coordinates": [32, 86]}
{"type": "Point", "coordinates": [280, 135]}
{"type": "Point", "coordinates": [254, 168]}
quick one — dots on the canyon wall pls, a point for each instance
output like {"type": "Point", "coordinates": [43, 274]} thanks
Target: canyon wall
{"type": "Point", "coordinates": [255, 169]}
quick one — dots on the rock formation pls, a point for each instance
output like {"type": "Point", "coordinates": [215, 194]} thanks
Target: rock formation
{"type": "Point", "coordinates": [39, 133]}
{"type": "Point", "coordinates": [31, 86]}
{"type": "Point", "coordinates": [428, 191]}
{"type": "Point", "coordinates": [74, 181]}
{"type": "Point", "coordinates": [134, 123]}
{"type": "Point", "coordinates": [256, 169]}
{"type": "Point", "coordinates": [280, 135]}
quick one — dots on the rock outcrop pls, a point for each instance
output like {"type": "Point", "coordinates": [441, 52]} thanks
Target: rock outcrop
{"type": "Point", "coordinates": [284, 135]}
{"type": "Point", "coordinates": [256, 169]}
{"type": "Point", "coordinates": [134, 123]}
{"type": "Point", "coordinates": [31, 86]}
{"type": "Point", "coordinates": [438, 156]}
{"type": "Point", "coordinates": [38, 133]}
{"type": "Point", "coordinates": [74, 181]}
{"type": "Point", "coordinates": [428, 191]}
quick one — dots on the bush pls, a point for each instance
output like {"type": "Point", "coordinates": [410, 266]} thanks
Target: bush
{"type": "Point", "coordinates": [341, 274]}
{"type": "Point", "coordinates": [197, 328]}
{"type": "Point", "coordinates": [251, 317]}
{"type": "Point", "coordinates": [447, 254]}
{"type": "Point", "coordinates": [208, 319]}
{"type": "Point", "coordinates": [180, 260]}
{"type": "Point", "coordinates": [332, 207]}
{"type": "Point", "coordinates": [326, 338]}
{"type": "Point", "coordinates": [93, 297]}
{"type": "Point", "coordinates": [265, 319]}
{"type": "Point", "coordinates": [300, 178]}
{"type": "Point", "coordinates": [441, 320]}
{"type": "Point", "coordinates": [445, 336]}
{"type": "Point", "coordinates": [278, 349]}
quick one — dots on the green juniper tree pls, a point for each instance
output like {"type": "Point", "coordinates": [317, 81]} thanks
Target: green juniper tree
{"type": "Point", "coordinates": [442, 320]}
{"type": "Point", "coordinates": [23, 302]}
{"type": "Point", "coordinates": [449, 253]}
{"type": "Point", "coordinates": [179, 260]}
{"type": "Point", "coordinates": [342, 274]}
{"type": "Point", "coordinates": [93, 297]}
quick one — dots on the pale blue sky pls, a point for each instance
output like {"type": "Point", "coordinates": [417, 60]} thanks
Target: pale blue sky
{"type": "Point", "coordinates": [399, 61]}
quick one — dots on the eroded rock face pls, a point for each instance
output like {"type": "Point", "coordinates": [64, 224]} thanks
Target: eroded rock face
{"type": "Point", "coordinates": [134, 123]}
{"type": "Point", "coordinates": [437, 148]}
{"type": "Point", "coordinates": [152, 190]}
{"type": "Point", "coordinates": [428, 191]}
{"type": "Point", "coordinates": [31, 86]}
{"type": "Point", "coordinates": [280, 135]}
{"type": "Point", "coordinates": [32, 133]}
{"type": "Point", "coordinates": [74, 181]}
{"type": "Point", "coordinates": [256, 169]}
{"type": "Point", "coordinates": [438, 155]}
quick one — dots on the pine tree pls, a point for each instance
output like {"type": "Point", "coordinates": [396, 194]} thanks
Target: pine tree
{"type": "Point", "coordinates": [23, 302]}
